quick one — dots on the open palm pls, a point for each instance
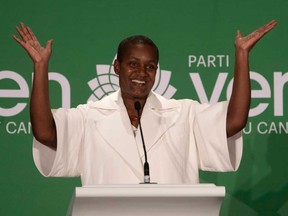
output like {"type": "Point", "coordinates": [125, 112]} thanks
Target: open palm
{"type": "Point", "coordinates": [247, 43]}
{"type": "Point", "coordinates": [32, 46]}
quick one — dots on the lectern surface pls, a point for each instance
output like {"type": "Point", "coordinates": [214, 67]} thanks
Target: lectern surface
{"type": "Point", "coordinates": [147, 199]}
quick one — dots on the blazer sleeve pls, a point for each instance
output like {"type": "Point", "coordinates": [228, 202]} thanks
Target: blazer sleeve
{"type": "Point", "coordinates": [216, 151]}
{"type": "Point", "coordinates": [66, 160]}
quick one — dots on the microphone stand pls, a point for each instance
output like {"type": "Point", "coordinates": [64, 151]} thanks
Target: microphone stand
{"type": "Point", "coordinates": [137, 106]}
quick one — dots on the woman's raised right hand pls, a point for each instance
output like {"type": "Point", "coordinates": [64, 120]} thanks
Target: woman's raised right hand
{"type": "Point", "coordinates": [32, 46]}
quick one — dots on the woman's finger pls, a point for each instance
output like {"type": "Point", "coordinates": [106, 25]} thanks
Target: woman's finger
{"type": "Point", "coordinates": [25, 31]}
{"type": "Point", "coordinates": [32, 34]}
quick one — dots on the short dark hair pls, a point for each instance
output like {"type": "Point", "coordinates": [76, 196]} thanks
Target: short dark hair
{"type": "Point", "coordinates": [136, 39]}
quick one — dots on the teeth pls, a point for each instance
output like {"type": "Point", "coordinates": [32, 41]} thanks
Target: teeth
{"type": "Point", "coordinates": [138, 81]}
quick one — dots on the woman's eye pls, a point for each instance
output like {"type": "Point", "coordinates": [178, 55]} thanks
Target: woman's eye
{"type": "Point", "coordinates": [151, 67]}
{"type": "Point", "coordinates": [133, 64]}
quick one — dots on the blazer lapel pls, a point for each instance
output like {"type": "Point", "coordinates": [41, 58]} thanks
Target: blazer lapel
{"type": "Point", "coordinates": [158, 115]}
{"type": "Point", "coordinates": [121, 137]}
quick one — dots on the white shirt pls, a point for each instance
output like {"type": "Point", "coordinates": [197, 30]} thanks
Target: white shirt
{"type": "Point", "coordinates": [96, 142]}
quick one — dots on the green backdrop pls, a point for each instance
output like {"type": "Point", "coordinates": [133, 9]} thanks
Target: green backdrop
{"type": "Point", "coordinates": [196, 40]}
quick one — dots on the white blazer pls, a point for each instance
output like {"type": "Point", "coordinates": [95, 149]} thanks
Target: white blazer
{"type": "Point", "coordinates": [96, 142]}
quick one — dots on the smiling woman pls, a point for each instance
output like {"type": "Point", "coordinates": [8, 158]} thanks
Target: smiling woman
{"type": "Point", "coordinates": [136, 65]}
{"type": "Point", "coordinates": [209, 128]}
{"type": "Point", "coordinates": [99, 141]}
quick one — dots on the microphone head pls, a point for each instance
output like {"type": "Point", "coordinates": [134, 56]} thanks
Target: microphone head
{"type": "Point", "coordinates": [137, 105]}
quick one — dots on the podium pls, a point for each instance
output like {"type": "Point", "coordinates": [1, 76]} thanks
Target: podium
{"type": "Point", "coordinates": [147, 199]}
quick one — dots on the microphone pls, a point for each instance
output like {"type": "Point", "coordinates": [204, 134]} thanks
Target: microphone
{"type": "Point", "coordinates": [137, 107]}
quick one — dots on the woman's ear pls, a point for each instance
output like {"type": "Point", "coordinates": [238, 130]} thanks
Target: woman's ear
{"type": "Point", "coordinates": [116, 66]}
